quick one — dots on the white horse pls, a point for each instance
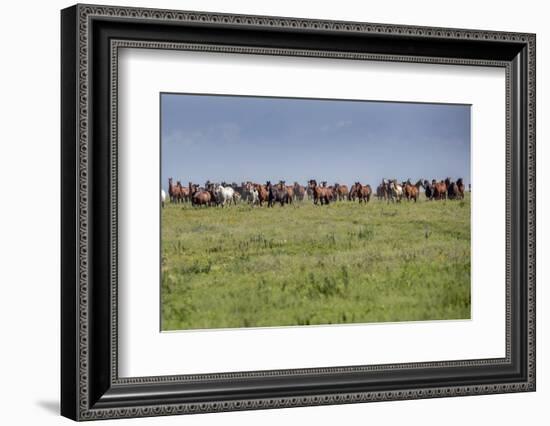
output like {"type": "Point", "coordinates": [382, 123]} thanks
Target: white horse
{"type": "Point", "coordinates": [254, 196]}
{"type": "Point", "coordinates": [225, 194]}
{"type": "Point", "coordinates": [397, 191]}
{"type": "Point", "coordinates": [162, 197]}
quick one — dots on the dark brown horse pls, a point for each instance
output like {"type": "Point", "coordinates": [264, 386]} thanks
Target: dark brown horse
{"type": "Point", "coordinates": [382, 192]}
{"type": "Point", "coordinates": [276, 194]}
{"type": "Point", "coordinates": [428, 189]}
{"type": "Point", "coordinates": [452, 189]}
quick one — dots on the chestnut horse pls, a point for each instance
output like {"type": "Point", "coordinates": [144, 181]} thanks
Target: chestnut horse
{"type": "Point", "coordinates": [200, 197]}
{"type": "Point", "coordinates": [411, 191]}
{"type": "Point", "coordinates": [173, 191]}
{"type": "Point", "coordinates": [460, 186]}
{"type": "Point", "coordinates": [299, 191]}
{"type": "Point", "coordinates": [289, 191]}
{"type": "Point", "coordinates": [365, 193]}
{"type": "Point", "coordinates": [183, 192]}
{"type": "Point", "coordinates": [341, 191]}
{"type": "Point", "coordinates": [361, 192]}
{"type": "Point", "coordinates": [263, 194]}
{"type": "Point", "coordinates": [320, 194]}
{"type": "Point", "coordinates": [331, 193]}
{"type": "Point", "coordinates": [440, 190]}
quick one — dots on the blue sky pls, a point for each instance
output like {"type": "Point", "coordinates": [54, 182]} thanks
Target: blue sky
{"type": "Point", "coordinates": [233, 138]}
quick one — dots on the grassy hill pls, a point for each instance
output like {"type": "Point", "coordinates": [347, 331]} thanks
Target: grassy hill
{"type": "Point", "coordinates": [245, 266]}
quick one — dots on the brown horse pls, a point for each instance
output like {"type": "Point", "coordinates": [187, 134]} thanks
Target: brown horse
{"type": "Point", "coordinates": [200, 197]}
{"type": "Point", "coordinates": [352, 195]}
{"type": "Point", "coordinates": [341, 191]}
{"type": "Point", "coordinates": [277, 194]}
{"type": "Point", "coordinates": [174, 191]}
{"type": "Point", "coordinates": [183, 192]}
{"type": "Point", "coordinates": [361, 192]}
{"type": "Point", "coordinates": [320, 194]}
{"type": "Point", "coordinates": [263, 193]}
{"type": "Point", "coordinates": [289, 191]}
{"type": "Point", "coordinates": [331, 193]}
{"type": "Point", "coordinates": [452, 189]}
{"type": "Point", "coordinates": [299, 191]}
{"type": "Point", "coordinates": [366, 192]}
{"type": "Point", "coordinates": [460, 186]}
{"type": "Point", "coordinates": [382, 192]}
{"type": "Point", "coordinates": [440, 190]}
{"type": "Point", "coordinates": [411, 191]}
{"type": "Point", "coordinates": [407, 188]}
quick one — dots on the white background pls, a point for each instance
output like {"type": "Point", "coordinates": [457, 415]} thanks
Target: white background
{"type": "Point", "coordinates": [29, 229]}
{"type": "Point", "coordinates": [146, 352]}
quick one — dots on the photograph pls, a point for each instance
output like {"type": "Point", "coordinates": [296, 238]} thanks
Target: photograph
{"type": "Point", "coordinates": [280, 211]}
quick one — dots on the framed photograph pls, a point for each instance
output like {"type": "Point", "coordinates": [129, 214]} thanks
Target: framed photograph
{"type": "Point", "coordinates": [263, 212]}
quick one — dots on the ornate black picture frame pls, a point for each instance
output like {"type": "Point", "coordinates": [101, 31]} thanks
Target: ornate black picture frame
{"type": "Point", "coordinates": [91, 36]}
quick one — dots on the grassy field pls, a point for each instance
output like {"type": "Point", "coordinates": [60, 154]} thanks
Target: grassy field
{"type": "Point", "coordinates": [304, 264]}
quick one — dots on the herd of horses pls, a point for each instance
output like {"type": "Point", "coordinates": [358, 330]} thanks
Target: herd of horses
{"type": "Point", "coordinates": [390, 190]}
{"type": "Point", "coordinates": [434, 190]}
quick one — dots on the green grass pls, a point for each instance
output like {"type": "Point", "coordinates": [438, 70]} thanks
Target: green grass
{"type": "Point", "coordinates": [344, 263]}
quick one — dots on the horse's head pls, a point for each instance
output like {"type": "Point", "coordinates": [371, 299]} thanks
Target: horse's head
{"type": "Point", "coordinates": [312, 183]}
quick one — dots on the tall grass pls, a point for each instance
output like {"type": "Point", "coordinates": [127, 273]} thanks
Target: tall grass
{"type": "Point", "coordinates": [304, 264]}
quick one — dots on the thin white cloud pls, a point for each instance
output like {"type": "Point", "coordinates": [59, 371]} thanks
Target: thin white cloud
{"type": "Point", "coordinates": [220, 132]}
{"type": "Point", "coordinates": [338, 125]}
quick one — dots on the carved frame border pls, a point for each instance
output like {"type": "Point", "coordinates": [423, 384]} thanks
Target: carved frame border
{"type": "Point", "coordinates": [87, 12]}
